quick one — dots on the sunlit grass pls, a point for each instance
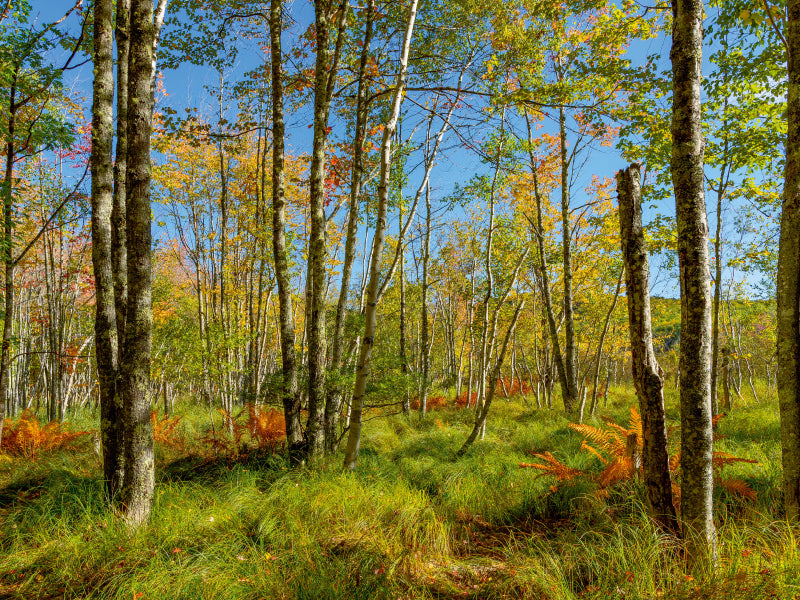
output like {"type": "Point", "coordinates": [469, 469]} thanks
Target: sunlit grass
{"type": "Point", "coordinates": [410, 522]}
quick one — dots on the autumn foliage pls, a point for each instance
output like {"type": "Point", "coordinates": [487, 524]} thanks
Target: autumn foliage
{"type": "Point", "coordinates": [164, 430]}
{"type": "Point", "coordinates": [431, 403]}
{"type": "Point", "coordinates": [619, 449]}
{"type": "Point", "coordinates": [27, 438]}
{"type": "Point", "coordinates": [264, 430]}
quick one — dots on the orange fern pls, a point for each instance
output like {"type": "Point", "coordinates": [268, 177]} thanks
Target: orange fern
{"type": "Point", "coordinates": [738, 487]}
{"type": "Point", "coordinates": [164, 429]}
{"type": "Point", "coordinates": [28, 438]}
{"type": "Point", "coordinates": [619, 447]}
{"type": "Point", "coordinates": [552, 466]}
{"type": "Point", "coordinates": [267, 428]}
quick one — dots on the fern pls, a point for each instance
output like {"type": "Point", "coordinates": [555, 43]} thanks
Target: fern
{"type": "Point", "coordinates": [619, 447]}
{"type": "Point", "coordinates": [28, 438]}
{"type": "Point", "coordinates": [553, 467]}
{"type": "Point", "coordinates": [164, 429]}
{"type": "Point", "coordinates": [265, 430]}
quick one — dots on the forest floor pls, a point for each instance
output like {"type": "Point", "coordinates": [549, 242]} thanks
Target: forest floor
{"type": "Point", "coordinates": [410, 522]}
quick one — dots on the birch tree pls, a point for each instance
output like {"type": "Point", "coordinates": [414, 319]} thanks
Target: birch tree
{"type": "Point", "coordinates": [696, 304]}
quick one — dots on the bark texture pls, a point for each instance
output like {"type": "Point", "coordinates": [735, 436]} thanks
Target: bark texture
{"type": "Point", "coordinates": [291, 403]}
{"type": "Point", "coordinates": [788, 311]}
{"type": "Point", "coordinates": [139, 466]}
{"type": "Point", "coordinates": [119, 244]}
{"type": "Point", "coordinates": [106, 340]}
{"type": "Point", "coordinates": [325, 75]}
{"type": "Point", "coordinates": [695, 350]}
{"type": "Point", "coordinates": [647, 375]}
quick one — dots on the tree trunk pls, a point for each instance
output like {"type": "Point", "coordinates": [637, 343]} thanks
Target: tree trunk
{"type": "Point", "coordinates": [567, 394]}
{"type": "Point", "coordinates": [480, 421]}
{"type": "Point", "coordinates": [788, 311]}
{"type": "Point", "coordinates": [596, 378]}
{"type": "Point", "coordinates": [570, 346]}
{"type": "Point", "coordinates": [8, 243]}
{"type": "Point", "coordinates": [403, 354]}
{"type": "Point", "coordinates": [354, 436]}
{"type": "Point", "coordinates": [135, 365]}
{"type": "Point", "coordinates": [726, 373]}
{"type": "Point", "coordinates": [291, 403]}
{"type": "Point", "coordinates": [695, 352]}
{"type": "Point", "coordinates": [648, 378]}
{"type": "Point", "coordinates": [106, 339]}
{"type": "Point", "coordinates": [425, 341]}
{"type": "Point", "coordinates": [325, 75]}
{"type": "Point", "coordinates": [717, 294]}
{"type": "Point", "coordinates": [333, 406]}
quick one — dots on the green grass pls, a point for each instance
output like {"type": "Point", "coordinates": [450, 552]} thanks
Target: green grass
{"type": "Point", "coordinates": [410, 522]}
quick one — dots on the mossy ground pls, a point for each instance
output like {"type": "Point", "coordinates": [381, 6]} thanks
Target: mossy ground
{"type": "Point", "coordinates": [410, 522]}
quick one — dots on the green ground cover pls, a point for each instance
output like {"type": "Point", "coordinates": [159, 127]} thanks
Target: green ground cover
{"type": "Point", "coordinates": [411, 522]}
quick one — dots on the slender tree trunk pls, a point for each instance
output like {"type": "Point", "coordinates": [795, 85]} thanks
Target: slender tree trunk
{"type": "Point", "coordinates": [106, 339]}
{"type": "Point", "coordinates": [647, 375]}
{"type": "Point", "coordinates": [480, 421]}
{"type": "Point", "coordinates": [788, 311]}
{"type": "Point", "coordinates": [139, 466]}
{"type": "Point", "coordinates": [403, 354]}
{"type": "Point", "coordinates": [8, 243]}
{"type": "Point", "coordinates": [570, 346]}
{"type": "Point", "coordinates": [567, 393]}
{"type": "Point", "coordinates": [486, 341]}
{"type": "Point", "coordinates": [425, 341]}
{"type": "Point", "coordinates": [695, 353]}
{"type": "Point", "coordinates": [726, 373]}
{"type": "Point", "coordinates": [354, 436]}
{"type": "Point", "coordinates": [596, 377]}
{"type": "Point", "coordinates": [291, 402]}
{"type": "Point", "coordinates": [717, 289]}
{"type": "Point", "coordinates": [333, 406]}
{"type": "Point", "coordinates": [325, 75]}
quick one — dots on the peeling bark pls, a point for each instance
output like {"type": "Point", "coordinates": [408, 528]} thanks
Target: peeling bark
{"type": "Point", "coordinates": [648, 378]}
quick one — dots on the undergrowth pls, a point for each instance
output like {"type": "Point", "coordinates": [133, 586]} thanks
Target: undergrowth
{"type": "Point", "coordinates": [410, 522]}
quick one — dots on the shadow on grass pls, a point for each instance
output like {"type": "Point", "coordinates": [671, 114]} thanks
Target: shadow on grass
{"type": "Point", "coordinates": [207, 469]}
{"type": "Point", "coordinates": [431, 445]}
{"type": "Point", "coordinates": [62, 483]}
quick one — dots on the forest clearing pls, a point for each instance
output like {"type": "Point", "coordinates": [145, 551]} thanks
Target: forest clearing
{"type": "Point", "coordinates": [411, 522]}
{"type": "Point", "coordinates": [399, 299]}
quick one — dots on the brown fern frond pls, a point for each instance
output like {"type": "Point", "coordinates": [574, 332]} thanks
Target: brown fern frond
{"type": "Point", "coordinates": [676, 496]}
{"type": "Point", "coordinates": [588, 448]}
{"type": "Point", "coordinates": [674, 462]}
{"type": "Point", "coordinates": [739, 487]}
{"type": "Point", "coordinates": [635, 425]}
{"type": "Point", "coordinates": [553, 467]}
{"type": "Point", "coordinates": [27, 438]}
{"type": "Point", "coordinates": [267, 428]}
{"type": "Point", "coordinates": [164, 429]}
{"type": "Point", "coordinates": [617, 471]}
{"type": "Point", "coordinates": [607, 441]}
{"type": "Point", "coordinates": [623, 432]}
{"type": "Point", "coordinates": [723, 459]}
